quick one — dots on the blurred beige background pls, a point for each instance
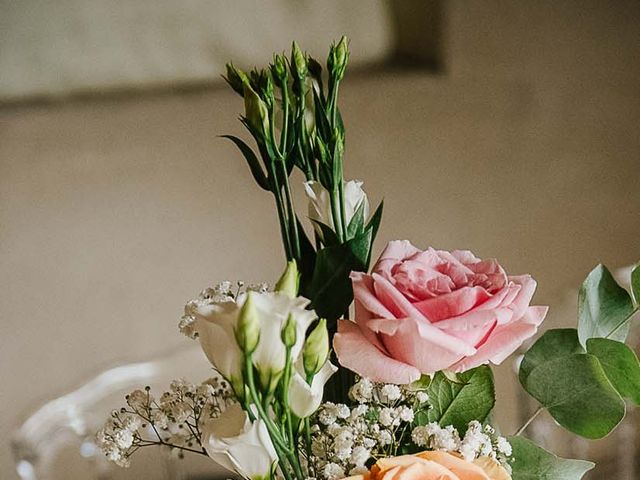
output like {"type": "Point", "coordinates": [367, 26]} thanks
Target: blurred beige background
{"type": "Point", "coordinates": [118, 202]}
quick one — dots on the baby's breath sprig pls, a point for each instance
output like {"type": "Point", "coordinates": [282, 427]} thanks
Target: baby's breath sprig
{"type": "Point", "coordinates": [173, 421]}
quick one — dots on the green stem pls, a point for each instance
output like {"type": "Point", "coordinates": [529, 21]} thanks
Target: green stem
{"type": "Point", "coordinates": [284, 226]}
{"type": "Point", "coordinates": [336, 213]}
{"type": "Point", "coordinates": [528, 422]}
{"type": "Point", "coordinates": [293, 224]}
{"type": "Point", "coordinates": [285, 120]}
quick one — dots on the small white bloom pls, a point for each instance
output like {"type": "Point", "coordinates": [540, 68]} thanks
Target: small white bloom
{"type": "Point", "coordinates": [504, 446]}
{"type": "Point", "coordinates": [362, 391]}
{"type": "Point", "coordinates": [342, 411]}
{"type": "Point", "coordinates": [406, 414]}
{"type": "Point", "coordinates": [422, 397]}
{"type": "Point", "coordinates": [387, 416]}
{"type": "Point", "coordinates": [384, 438]}
{"type": "Point", "coordinates": [391, 392]}
{"type": "Point", "coordinates": [359, 456]}
{"type": "Point", "coordinates": [333, 471]}
{"type": "Point", "coordinates": [138, 399]}
{"type": "Point", "coordinates": [160, 419]}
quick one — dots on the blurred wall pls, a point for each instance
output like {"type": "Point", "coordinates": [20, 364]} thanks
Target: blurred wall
{"type": "Point", "coordinates": [114, 212]}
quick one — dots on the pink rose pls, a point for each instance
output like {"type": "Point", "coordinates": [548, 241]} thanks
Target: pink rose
{"type": "Point", "coordinates": [421, 312]}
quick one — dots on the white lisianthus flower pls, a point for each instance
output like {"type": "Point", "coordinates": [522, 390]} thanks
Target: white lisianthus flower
{"type": "Point", "coordinates": [239, 445]}
{"type": "Point", "coordinates": [215, 324]}
{"type": "Point", "coordinates": [273, 310]}
{"type": "Point", "coordinates": [320, 203]}
{"type": "Point", "coordinates": [305, 399]}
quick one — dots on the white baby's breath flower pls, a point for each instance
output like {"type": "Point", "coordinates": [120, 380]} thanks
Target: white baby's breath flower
{"type": "Point", "coordinates": [406, 414]}
{"type": "Point", "coordinates": [138, 399]}
{"type": "Point", "coordinates": [504, 446]}
{"type": "Point", "coordinates": [391, 392]}
{"type": "Point", "coordinates": [362, 390]}
{"type": "Point", "coordinates": [359, 456]}
{"type": "Point", "coordinates": [332, 471]}
{"type": "Point", "coordinates": [422, 397]}
{"type": "Point", "coordinates": [387, 416]}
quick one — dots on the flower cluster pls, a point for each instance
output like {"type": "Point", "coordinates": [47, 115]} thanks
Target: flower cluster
{"type": "Point", "coordinates": [175, 420]}
{"type": "Point", "coordinates": [221, 292]}
{"type": "Point", "coordinates": [344, 439]}
{"type": "Point", "coordinates": [478, 441]}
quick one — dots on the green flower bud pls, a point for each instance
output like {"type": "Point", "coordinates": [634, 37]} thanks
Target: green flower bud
{"type": "Point", "coordinates": [289, 334]}
{"type": "Point", "coordinates": [256, 110]}
{"type": "Point", "coordinates": [299, 62]}
{"type": "Point", "coordinates": [289, 282]}
{"type": "Point", "coordinates": [236, 78]}
{"type": "Point", "coordinates": [316, 348]}
{"type": "Point", "coordinates": [279, 68]}
{"type": "Point", "coordinates": [338, 58]}
{"type": "Point", "coordinates": [248, 328]}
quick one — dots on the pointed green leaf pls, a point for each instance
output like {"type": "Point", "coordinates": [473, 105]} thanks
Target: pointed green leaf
{"type": "Point", "coordinates": [373, 226]}
{"type": "Point", "coordinates": [553, 344]}
{"type": "Point", "coordinates": [471, 397]}
{"type": "Point", "coordinates": [603, 307]}
{"type": "Point", "coordinates": [252, 161]}
{"type": "Point", "coordinates": [356, 225]}
{"type": "Point", "coordinates": [635, 284]}
{"type": "Point", "coordinates": [330, 290]}
{"type": "Point", "coordinates": [578, 395]}
{"type": "Point", "coordinates": [329, 237]}
{"type": "Point", "coordinates": [531, 462]}
{"type": "Point", "coordinates": [620, 364]}
{"type": "Point", "coordinates": [306, 263]}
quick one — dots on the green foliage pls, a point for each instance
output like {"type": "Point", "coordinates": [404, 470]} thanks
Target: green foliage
{"type": "Point", "coordinates": [531, 462]}
{"type": "Point", "coordinates": [254, 165]}
{"type": "Point", "coordinates": [470, 397]}
{"type": "Point", "coordinates": [635, 285]}
{"type": "Point", "coordinates": [620, 364]}
{"type": "Point", "coordinates": [553, 344]}
{"type": "Point", "coordinates": [577, 393]}
{"type": "Point", "coordinates": [603, 307]}
{"type": "Point", "coordinates": [330, 288]}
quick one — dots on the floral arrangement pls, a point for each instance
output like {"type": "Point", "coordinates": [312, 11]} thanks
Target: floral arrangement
{"type": "Point", "coordinates": [404, 389]}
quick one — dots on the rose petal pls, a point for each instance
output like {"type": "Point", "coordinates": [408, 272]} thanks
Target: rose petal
{"type": "Point", "coordinates": [420, 344]}
{"type": "Point", "coordinates": [356, 353]}
{"type": "Point", "coordinates": [452, 304]}
{"type": "Point", "coordinates": [465, 470]}
{"type": "Point", "coordinates": [504, 340]}
{"type": "Point", "coordinates": [522, 299]}
{"type": "Point", "coordinates": [363, 291]}
{"type": "Point", "coordinates": [395, 251]}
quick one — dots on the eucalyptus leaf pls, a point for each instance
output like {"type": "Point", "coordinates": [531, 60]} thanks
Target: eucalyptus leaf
{"type": "Point", "coordinates": [620, 364]}
{"type": "Point", "coordinates": [553, 344]}
{"type": "Point", "coordinates": [635, 284]}
{"type": "Point", "coordinates": [252, 161]}
{"type": "Point", "coordinates": [577, 393]}
{"type": "Point", "coordinates": [530, 462]}
{"type": "Point", "coordinates": [471, 397]}
{"type": "Point", "coordinates": [603, 307]}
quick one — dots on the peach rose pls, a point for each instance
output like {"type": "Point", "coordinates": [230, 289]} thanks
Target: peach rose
{"type": "Point", "coordinates": [434, 465]}
{"type": "Point", "coordinates": [419, 312]}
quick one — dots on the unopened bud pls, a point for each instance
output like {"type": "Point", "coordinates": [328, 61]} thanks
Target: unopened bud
{"type": "Point", "coordinates": [289, 282]}
{"type": "Point", "coordinates": [248, 328]}
{"type": "Point", "coordinates": [236, 78]}
{"type": "Point", "coordinates": [256, 110]}
{"type": "Point", "coordinates": [316, 348]}
{"type": "Point", "coordinates": [338, 59]}
{"type": "Point", "coordinates": [298, 61]}
{"type": "Point", "coordinates": [279, 68]}
{"type": "Point", "coordinates": [289, 333]}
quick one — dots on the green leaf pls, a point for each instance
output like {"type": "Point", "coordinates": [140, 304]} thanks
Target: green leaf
{"type": "Point", "coordinates": [330, 291]}
{"type": "Point", "coordinates": [306, 263]}
{"type": "Point", "coordinates": [553, 344]}
{"type": "Point", "coordinates": [374, 225]}
{"type": "Point", "coordinates": [577, 394]}
{"type": "Point", "coordinates": [530, 462]}
{"type": "Point", "coordinates": [635, 285]}
{"type": "Point", "coordinates": [329, 237]}
{"type": "Point", "coordinates": [356, 225]}
{"type": "Point", "coordinates": [603, 307]}
{"type": "Point", "coordinates": [620, 364]}
{"type": "Point", "coordinates": [252, 161]}
{"type": "Point", "coordinates": [472, 397]}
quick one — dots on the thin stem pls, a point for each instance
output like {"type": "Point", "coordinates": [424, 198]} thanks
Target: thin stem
{"type": "Point", "coordinates": [336, 213]}
{"type": "Point", "coordinates": [293, 224]}
{"type": "Point", "coordinates": [621, 324]}
{"type": "Point", "coordinates": [528, 422]}
{"type": "Point", "coordinates": [284, 227]}
{"type": "Point", "coordinates": [285, 121]}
